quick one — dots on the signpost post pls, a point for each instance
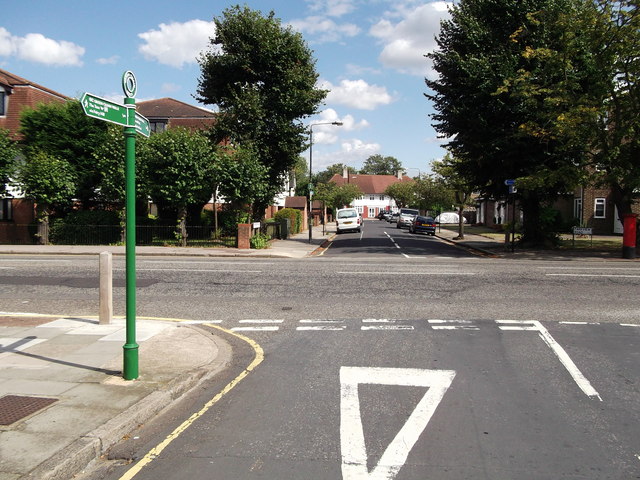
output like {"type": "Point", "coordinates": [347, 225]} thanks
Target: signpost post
{"type": "Point", "coordinates": [511, 183]}
{"type": "Point", "coordinates": [133, 123]}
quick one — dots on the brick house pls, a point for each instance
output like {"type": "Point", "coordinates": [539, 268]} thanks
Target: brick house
{"type": "Point", "coordinates": [17, 93]}
{"type": "Point", "coordinates": [594, 207]}
{"type": "Point", "coordinates": [167, 113]}
{"type": "Point", "coordinates": [373, 200]}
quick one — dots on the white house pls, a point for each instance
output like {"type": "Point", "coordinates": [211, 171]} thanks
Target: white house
{"type": "Point", "coordinates": [374, 199]}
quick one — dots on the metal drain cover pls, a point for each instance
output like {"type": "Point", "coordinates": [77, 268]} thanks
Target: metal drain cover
{"type": "Point", "coordinates": [17, 407]}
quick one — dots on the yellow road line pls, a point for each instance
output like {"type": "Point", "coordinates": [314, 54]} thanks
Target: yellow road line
{"type": "Point", "coordinates": [154, 452]}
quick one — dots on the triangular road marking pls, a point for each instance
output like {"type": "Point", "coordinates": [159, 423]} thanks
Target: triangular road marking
{"type": "Point", "coordinates": [354, 455]}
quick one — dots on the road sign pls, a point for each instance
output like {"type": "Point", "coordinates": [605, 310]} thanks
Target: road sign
{"type": "Point", "coordinates": [142, 125]}
{"type": "Point", "coordinates": [104, 109]}
{"type": "Point", "coordinates": [510, 182]}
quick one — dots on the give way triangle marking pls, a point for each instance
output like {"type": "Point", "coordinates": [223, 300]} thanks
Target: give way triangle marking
{"type": "Point", "coordinates": [354, 454]}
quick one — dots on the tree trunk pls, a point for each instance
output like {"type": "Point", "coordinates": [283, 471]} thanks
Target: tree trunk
{"type": "Point", "coordinates": [182, 225]}
{"type": "Point", "coordinates": [532, 234]}
{"type": "Point", "coordinates": [460, 224]}
{"type": "Point", "coordinates": [42, 216]}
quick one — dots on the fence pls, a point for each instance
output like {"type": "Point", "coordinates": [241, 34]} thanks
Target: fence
{"type": "Point", "coordinates": [153, 235]}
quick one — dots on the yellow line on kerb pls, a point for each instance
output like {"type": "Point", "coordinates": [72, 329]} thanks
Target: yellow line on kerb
{"type": "Point", "coordinates": [154, 452]}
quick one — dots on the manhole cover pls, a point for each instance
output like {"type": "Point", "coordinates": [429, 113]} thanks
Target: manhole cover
{"type": "Point", "coordinates": [17, 407]}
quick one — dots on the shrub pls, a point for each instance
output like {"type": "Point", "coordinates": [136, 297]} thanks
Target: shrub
{"type": "Point", "coordinates": [259, 240]}
{"type": "Point", "coordinates": [293, 215]}
{"type": "Point", "coordinates": [86, 227]}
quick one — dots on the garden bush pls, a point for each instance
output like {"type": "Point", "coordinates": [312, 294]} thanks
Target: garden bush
{"type": "Point", "coordinates": [294, 216]}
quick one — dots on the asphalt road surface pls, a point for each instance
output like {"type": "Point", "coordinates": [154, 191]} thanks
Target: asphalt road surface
{"type": "Point", "coordinates": [391, 356]}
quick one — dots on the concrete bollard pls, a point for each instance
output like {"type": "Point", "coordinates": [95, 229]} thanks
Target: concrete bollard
{"type": "Point", "coordinates": [106, 288]}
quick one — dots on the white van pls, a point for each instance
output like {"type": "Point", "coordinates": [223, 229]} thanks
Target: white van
{"type": "Point", "coordinates": [348, 219]}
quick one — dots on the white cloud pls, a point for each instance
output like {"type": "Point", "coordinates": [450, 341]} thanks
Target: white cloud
{"type": "Point", "coordinates": [407, 41]}
{"type": "Point", "coordinates": [108, 61]}
{"type": "Point", "coordinates": [170, 87]}
{"type": "Point", "coordinates": [357, 94]}
{"type": "Point", "coordinates": [325, 29]}
{"type": "Point", "coordinates": [35, 47]}
{"type": "Point", "coordinates": [175, 44]}
{"type": "Point", "coordinates": [353, 152]}
{"type": "Point", "coordinates": [332, 8]}
{"type": "Point", "coordinates": [328, 134]}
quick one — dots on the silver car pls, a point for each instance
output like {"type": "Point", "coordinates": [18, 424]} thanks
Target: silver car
{"type": "Point", "coordinates": [406, 216]}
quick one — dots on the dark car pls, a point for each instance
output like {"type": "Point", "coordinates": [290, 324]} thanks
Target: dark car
{"type": "Point", "coordinates": [423, 224]}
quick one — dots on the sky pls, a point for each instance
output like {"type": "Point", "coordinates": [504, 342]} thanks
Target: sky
{"type": "Point", "coordinates": [369, 54]}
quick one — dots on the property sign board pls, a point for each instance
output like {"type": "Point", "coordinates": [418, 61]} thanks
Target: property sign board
{"type": "Point", "coordinates": [582, 231]}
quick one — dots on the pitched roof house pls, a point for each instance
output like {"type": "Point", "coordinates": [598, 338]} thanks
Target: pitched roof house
{"type": "Point", "coordinates": [16, 93]}
{"type": "Point", "coordinates": [374, 199]}
{"type": "Point", "coordinates": [166, 113]}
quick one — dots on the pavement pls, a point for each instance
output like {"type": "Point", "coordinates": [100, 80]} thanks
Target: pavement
{"type": "Point", "coordinates": [63, 401]}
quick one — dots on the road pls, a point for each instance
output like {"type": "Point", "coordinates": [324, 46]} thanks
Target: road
{"type": "Point", "coordinates": [389, 356]}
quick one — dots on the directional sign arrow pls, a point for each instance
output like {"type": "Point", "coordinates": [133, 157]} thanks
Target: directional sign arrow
{"type": "Point", "coordinates": [142, 125]}
{"type": "Point", "coordinates": [104, 109]}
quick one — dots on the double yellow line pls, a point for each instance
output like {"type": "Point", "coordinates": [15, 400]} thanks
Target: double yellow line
{"type": "Point", "coordinates": [154, 452]}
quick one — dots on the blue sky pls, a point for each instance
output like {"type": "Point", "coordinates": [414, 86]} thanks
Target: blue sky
{"type": "Point", "coordinates": [369, 54]}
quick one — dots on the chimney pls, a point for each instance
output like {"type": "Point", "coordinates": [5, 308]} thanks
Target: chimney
{"type": "Point", "coordinates": [345, 172]}
{"type": "Point", "coordinates": [399, 174]}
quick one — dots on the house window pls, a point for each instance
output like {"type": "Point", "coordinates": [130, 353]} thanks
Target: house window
{"type": "Point", "coordinates": [372, 197]}
{"type": "Point", "coordinates": [157, 127]}
{"type": "Point", "coordinates": [6, 211]}
{"type": "Point", "coordinates": [2, 105]}
{"type": "Point", "coordinates": [382, 198]}
{"type": "Point", "coordinates": [599, 208]}
{"type": "Point", "coordinates": [372, 212]}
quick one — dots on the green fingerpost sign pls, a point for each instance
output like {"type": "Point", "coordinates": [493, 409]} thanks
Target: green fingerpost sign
{"type": "Point", "coordinates": [125, 115]}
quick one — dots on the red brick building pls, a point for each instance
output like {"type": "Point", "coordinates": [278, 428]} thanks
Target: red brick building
{"type": "Point", "coordinates": [16, 93]}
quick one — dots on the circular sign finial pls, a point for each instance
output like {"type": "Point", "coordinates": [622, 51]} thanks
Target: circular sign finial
{"type": "Point", "coordinates": [129, 84]}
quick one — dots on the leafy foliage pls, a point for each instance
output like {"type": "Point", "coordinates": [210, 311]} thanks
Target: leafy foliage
{"type": "Point", "coordinates": [294, 216]}
{"type": "Point", "coordinates": [380, 165]}
{"type": "Point", "coordinates": [262, 77]}
{"type": "Point", "coordinates": [8, 153]}
{"type": "Point", "coordinates": [63, 131]}
{"type": "Point", "coordinates": [403, 193]}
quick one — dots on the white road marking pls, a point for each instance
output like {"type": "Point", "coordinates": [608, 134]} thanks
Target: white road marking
{"type": "Point", "coordinates": [580, 323]}
{"type": "Point", "coordinates": [386, 327]}
{"type": "Point", "coordinates": [603, 275]}
{"type": "Point", "coordinates": [406, 273]}
{"type": "Point", "coordinates": [212, 270]}
{"type": "Point", "coordinates": [319, 321]}
{"type": "Point", "coordinates": [354, 454]}
{"type": "Point", "coordinates": [257, 320]}
{"type": "Point", "coordinates": [560, 352]}
{"type": "Point", "coordinates": [457, 325]}
{"type": "Point", "coordinates": [377, 320]}
{"type": "Point", "coordinates": [633, 325]}
{"type": "Point", "coordinates": [322, 328]}
{"type": "Point", "coordinates": [255, 329]}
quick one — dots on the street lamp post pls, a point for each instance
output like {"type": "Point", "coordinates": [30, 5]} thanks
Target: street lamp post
{"type": "Point", "coordinates": [339, 124]}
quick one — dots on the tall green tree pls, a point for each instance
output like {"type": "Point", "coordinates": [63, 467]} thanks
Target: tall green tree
{"type": "Point", "coordinates": [380, 165]}
{"type": "Point", "coordinates": [336, 169]}
{"type": "Point", "coordinates": [403, 193]}
{"type": "Point", "coordinates": [485, 49]}
{"type": "Point", "coordinates": [49, 182]}
{"type": "Point", "coordinates": [262, 77]}
{"type": "Point", "coordinates": [241, 178]}
{"type": "Point", "coordinates": [8, 153]}
{"type": "Point", "coordinates": [177, 166]}
{"type": "Point", "coordinates": [343, 195]}
{"type": "Point", "coordinates": [434, 195]}
{"type": "Point", "coordinates": [449, 173]}
{"type": "Point", "coordinates": [62, 130]}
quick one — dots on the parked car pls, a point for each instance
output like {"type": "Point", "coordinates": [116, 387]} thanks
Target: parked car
{"type": "Point", "coordinates": [406, 217]}
{"type": "Point", "coordinates": [348, 219]}
{"type": "Point", "coordinates": [381, 215]}
{"type": "Point", "coordinates": [393, 217]}
{"type": "Point", "coordinates": [423, 224]}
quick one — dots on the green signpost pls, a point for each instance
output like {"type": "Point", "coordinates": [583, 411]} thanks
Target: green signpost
{"type": "Point", "coordinates": [132, 122]}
